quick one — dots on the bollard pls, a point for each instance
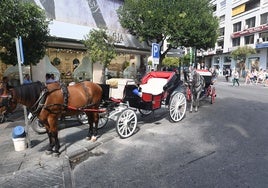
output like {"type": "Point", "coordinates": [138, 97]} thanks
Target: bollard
{"type": "Point", "coordinates": [19, 138]}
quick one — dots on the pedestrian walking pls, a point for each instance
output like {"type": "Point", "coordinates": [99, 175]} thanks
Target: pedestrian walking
{"type": "Point", "coordinates": [227, 74]}
{"type": "Point", "coordinates": [235, 78]}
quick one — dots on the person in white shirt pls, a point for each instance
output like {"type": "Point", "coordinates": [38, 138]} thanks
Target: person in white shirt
{"type": "Point", "coordinates": [235, 78]}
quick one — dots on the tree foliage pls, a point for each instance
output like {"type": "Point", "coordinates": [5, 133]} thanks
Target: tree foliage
{"type": "Point", "coordinates": [185, 60]}
{"type": "Point", "coordinates": [181, 23]}
{"type": "Point", "coordinates": [100, 47]}
{"type": "Point", "coordinates": [171, 62]}
{"type": "Point", "coordinates": [242, 52]}
{"type": "Point", "coordinates": [20, 18]}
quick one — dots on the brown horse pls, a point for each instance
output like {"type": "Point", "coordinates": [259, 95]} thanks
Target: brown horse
{"type": "Point", "coordinates": [51, 101]}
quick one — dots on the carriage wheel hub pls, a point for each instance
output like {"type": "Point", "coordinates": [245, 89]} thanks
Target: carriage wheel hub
{"type": "Point", "coordinates": [125, 122]}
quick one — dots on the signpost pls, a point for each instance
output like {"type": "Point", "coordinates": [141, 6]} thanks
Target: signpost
{"type": "Point", "coordinates": [20, 58]}
{"type": "Point", "coordinates": [155, 54]}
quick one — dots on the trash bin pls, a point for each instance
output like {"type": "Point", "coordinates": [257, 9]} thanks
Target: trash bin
{"type": "Point", "coordinates": [19, 138]}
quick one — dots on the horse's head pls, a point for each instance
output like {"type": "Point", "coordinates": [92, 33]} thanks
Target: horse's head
{"type": "Point", "coordinates": [192, 76]}
{"type": "Point", "coordinates": [26, 94]}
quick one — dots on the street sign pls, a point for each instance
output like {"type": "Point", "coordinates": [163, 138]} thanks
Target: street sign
{"type": "Point", "coordinates": [155, 53]}
{"type": "Point", "coordinates": [155, 50]}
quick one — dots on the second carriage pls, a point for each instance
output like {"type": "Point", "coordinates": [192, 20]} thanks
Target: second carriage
{"type": "Point", "coordinates": [209, 90]}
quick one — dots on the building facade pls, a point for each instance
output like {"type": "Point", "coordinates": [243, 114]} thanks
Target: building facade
{"type": "Point", "coordinates": [70, 22]}
{"type": "Point", "coordinates": [242, 22]}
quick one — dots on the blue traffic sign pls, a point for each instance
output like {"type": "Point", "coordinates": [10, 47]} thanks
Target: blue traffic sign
{"type": "Point", "coordinates": [156, 50]}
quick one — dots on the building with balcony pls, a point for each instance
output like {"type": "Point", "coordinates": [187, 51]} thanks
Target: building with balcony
{"type": "Point", "coordinates": [242, 22]}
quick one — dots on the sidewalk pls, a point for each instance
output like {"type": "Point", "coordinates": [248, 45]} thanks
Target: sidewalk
{"type": "Point", "coordinates": [221, 79]}
{"type": "Point", "coordinates": [32, 167]}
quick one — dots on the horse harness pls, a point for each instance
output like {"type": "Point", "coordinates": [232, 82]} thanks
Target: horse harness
{"type": "Point", "coordinates": [45, 92]}
{"type": "Point", "coordinates": [36, 108]}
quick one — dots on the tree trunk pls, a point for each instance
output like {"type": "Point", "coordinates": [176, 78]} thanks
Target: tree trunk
{"type": "Point", "coordinates": [103, 76]}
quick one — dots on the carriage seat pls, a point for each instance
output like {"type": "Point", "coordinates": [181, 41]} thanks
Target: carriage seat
{"type": "Point", "coordinates": [154, 86]}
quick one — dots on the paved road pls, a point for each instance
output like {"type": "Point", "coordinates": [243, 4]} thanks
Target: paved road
{"type": "Point", "coordinates": [223, 145]}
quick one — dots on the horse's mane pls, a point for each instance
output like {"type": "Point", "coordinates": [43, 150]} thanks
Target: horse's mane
{"type": "Point", "coordinates": [29, 93]}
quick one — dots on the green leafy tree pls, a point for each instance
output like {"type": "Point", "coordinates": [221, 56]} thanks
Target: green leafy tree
{"type": "Point", "coordinates": [240, 55]}
{"type": "Point", "coordinates": [100, 47]}
{"type": "Point", "coordinates": [20, 18]}
{"type": "Point", "coordinates": [185, 60]}
{"type": "Point", "coordinates": [181, 23]}
{"type": "Point", "coordinates": [171, 62]}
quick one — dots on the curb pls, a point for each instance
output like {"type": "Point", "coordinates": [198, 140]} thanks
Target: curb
{"type": "Point", "coordinates": [79, 154]}
{"type": "Point", "coordinates": [66, 174]}
{"type": "Point", "coordinates": [70, 160]}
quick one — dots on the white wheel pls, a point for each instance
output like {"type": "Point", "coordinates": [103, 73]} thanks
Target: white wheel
{"type": "Point", "coordinates": [145, 112]}
{"type": "Point", "coordinates": [177, 107]}
{"type": "Point", "coordinates": [126, 123]}
{"type": "Point", "coordinates": [102, 121]}
{"type": "Point", "coordinates": [82, 118]}
{"type": "Point", "coordinates": [37, 126]}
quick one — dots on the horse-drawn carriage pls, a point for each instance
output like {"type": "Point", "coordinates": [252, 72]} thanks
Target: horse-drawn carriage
{"type": "Point", "coordinates": [156, 89]}
{"type": "Point", "coordinates": [200, 86]}
{"type": "Point", "coordinates": [49, 102]}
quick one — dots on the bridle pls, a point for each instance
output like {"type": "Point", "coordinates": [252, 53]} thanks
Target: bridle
{"type": "Point", "coordinates": [194, 81]}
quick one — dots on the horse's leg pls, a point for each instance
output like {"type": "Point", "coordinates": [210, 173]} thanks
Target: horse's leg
{"type": "Point", "coordinates": [192, 101]}
{"type": "Point", "coordinates": [49, 150]}
{"type": "Point", "coordinates": [54, 134]}
{"type": "Point", "coordinates": [95, 128]}
{"type": "Point", "coordinates": [197, 101]}
{"type": "Point", "coordinates": [192, 98]}
{"type": "Point", "coordinates": [90, 128]}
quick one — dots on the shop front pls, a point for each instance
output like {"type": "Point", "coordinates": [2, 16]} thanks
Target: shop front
{"type": "Point", "coordinates": [66, 52]}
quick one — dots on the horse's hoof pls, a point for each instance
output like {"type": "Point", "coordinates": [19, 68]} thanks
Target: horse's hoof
{"type": "Point", "coordinates": [49, 152]}
{"type": "Point", "coordinates": [88, 138]}
{"type": "Point", "coordinates": [94, 139]}
{"type": "Point", "coordinates": [56, 154]}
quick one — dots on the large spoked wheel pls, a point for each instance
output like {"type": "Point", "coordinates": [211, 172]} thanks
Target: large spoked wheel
{"type": "Point", "coordinates": [102, 121]}
{"type": "Point", "coordinates": [213, 95]}
{"type": "Point", "coordinates": [82, 118]}
{"type": "Point", "coordinates": [2, 118]}
{"type": "Point", "coordinates": [126, 123]}
{"type": "Point", "coordinates": [177, 107]}
{"type": "Point", "coordinates": [145, 112]}
{"type": "Point", "coordinates": [37, 126]}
